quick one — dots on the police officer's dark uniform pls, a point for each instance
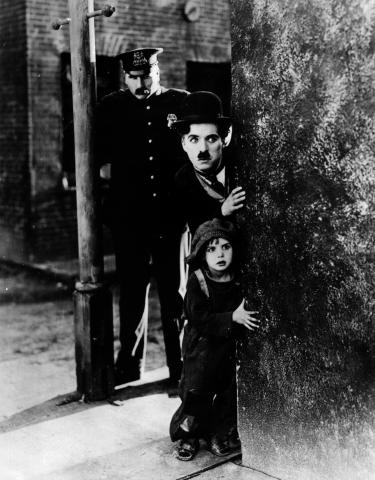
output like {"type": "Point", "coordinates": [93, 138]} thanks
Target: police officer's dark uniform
{"type": "Point", "coordinates": [134, 137]}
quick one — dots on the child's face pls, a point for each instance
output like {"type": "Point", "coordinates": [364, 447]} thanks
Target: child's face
{"type": "Point", "coordinates": [219, 254]}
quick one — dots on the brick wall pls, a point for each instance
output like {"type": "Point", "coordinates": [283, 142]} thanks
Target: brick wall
{"type": "Point", "coordinates": [53, 219]}
{"type": "Point", "coordinates": [14, 172]}
{"type": "Point", "coordinates": [150, 22]}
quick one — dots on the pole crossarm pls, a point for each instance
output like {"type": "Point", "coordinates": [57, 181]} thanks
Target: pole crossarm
{"type": "Point", "coordinates": [57, 24]}
{"type": "Point", "coordinates": [106, 11]}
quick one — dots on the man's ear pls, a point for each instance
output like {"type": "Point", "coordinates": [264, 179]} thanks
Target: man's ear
{"type": "Point", "coordinates": [125, 77]}
{"type": "Point", "coordinates": [228, 138]}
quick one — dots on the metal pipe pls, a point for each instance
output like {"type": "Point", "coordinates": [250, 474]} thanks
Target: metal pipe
{"type": "Point", "coordinates": [106, 11]}
{"type": "Point", "coordinates": [57, 24]}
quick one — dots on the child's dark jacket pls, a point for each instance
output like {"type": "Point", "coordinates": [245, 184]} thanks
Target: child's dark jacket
{"type": "Point", "coordinates": [208, 355]}
{"type": "Point", "coordinates": [208, 346]}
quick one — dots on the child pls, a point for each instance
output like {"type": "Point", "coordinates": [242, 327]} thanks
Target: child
{"type": "Point", "coordinates": [214, 308]}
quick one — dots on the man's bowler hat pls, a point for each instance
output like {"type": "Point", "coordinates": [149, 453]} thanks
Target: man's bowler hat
{"type": "Point", "coordinates": [201, 107]}
{"type": "Point", "coordinates": [139, 59]}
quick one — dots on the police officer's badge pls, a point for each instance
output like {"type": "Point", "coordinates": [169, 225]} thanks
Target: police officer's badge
{"type": "Point", "coordinates": [139, 59]}
{"type": "Point", "coordinates": [171, 119]}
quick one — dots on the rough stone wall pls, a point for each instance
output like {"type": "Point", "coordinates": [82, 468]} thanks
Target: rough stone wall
{"type": "Point", "coordinates": [303, 99]}
{"type": "Point", "coordinates": [14, 134]}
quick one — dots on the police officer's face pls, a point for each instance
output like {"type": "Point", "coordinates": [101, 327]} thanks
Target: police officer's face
{"type": "Point", "coordinates": [142, 83]}
{"type": "Point", "coordinates": [203, 146]}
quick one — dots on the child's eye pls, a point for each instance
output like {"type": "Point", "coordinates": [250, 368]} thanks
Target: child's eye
{"type": "Point", "coordinates": [227, 246]}
{"type": "Point", "coordinates": [210, 249]}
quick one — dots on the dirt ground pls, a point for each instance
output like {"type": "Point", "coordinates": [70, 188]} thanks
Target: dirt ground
{"type": "Point", "coordinates": [36, 318]}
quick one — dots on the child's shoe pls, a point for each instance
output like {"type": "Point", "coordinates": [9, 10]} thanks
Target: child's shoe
{"type": "Point", "coordinates": [187, 449]}
{"type": "Point", "coordinates": [218, 446]}
{"type": "Point", "coordinates": [234, 441]}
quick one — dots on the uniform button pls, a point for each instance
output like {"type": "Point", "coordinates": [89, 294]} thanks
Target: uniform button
{"type": "Point", "coordinates": [152, 177]}
{"type": "Point", "coordinates": [149, 123]}
{"type": "Point", "coordinates": [148, 107]}
{"type": "Point", "coordinates": [154, 194]}
{"type": "Point", "coordinates": [150, 140]}
{"type": "Point", "coordinates": [151, 158]}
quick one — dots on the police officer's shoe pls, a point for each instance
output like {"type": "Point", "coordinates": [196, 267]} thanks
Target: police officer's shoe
{"type": "Point", "coordinates": [233, 439]}
{"type": "Point", "coordinates": [126, 375]}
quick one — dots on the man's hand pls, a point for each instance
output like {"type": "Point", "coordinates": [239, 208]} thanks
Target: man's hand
{"type": "Point", "coordinates": [245, 317]}
{"type": "Point", "coordinates": [234, 201]}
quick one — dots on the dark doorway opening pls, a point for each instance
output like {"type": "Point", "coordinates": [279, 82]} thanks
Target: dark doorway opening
{"type": "Point", "coordinates": [214, 77]}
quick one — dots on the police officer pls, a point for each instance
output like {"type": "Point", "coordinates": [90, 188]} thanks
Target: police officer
{"type": "Point", "coordinates": [133, 136]}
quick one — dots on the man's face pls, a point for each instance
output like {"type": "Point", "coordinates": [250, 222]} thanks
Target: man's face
{"type": "Point", "coordinates": [203, 146]}
{"type": "Point", "coordinates": [142, 84]}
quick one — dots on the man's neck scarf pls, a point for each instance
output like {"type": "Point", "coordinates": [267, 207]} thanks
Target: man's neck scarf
{"type": "Point", "coordinates": [211, 184]}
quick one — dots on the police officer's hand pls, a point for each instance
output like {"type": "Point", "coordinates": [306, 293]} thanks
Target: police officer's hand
{"type": "Point", "coordinates": [105, 171]}
{"type": "Point", "coordinates": [245, 317]}
{"type": "Point", "coordinates": [234, 201]}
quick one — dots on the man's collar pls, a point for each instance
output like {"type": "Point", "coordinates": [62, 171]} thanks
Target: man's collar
{"type": "Point", "coordinates": [215, 172]}
{"type": "Point", "coordinates": [156, 93]}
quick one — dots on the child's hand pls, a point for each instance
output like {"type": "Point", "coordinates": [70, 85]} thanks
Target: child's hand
{"type": "Point", "coordinates": [233, 202]}
{"type": "Point", "coordinates": [245, 318]}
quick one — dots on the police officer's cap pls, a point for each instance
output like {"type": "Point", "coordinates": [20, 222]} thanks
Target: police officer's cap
{"type": "Point", "coordinates": [139, 59]}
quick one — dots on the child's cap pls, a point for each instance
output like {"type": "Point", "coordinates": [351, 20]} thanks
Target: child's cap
{"type": "Point", "coordinates": [216, 228]}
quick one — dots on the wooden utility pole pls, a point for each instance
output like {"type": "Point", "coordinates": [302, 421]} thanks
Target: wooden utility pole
{"type": "Point", "coordinates": [92, 300]}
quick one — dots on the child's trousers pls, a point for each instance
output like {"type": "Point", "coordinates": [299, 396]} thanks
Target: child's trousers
{"type": "Point", "coordinates": [207, 388]}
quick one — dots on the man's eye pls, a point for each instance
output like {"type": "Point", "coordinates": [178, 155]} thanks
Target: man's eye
{"type": "Point", "coordinates": [193, 139]}
{"type": "Point", "coordinates": [212, 139]}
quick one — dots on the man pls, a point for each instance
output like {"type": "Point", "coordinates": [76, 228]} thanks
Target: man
{"type": "Point", "coordinates": [133, 136]}
{"type": "Point", "coordinates": [201, 187]}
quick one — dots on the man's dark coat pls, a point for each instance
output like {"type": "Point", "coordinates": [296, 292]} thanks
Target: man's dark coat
{"type": "Point", "coordinates": [194, 203]}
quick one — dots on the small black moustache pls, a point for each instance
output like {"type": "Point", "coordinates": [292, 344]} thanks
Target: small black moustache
{"type": "Point", "coordinates": [204, 156]}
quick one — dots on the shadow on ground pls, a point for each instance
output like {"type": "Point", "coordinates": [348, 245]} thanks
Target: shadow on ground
{"type": "Point", "coordinates": [72, 402]}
